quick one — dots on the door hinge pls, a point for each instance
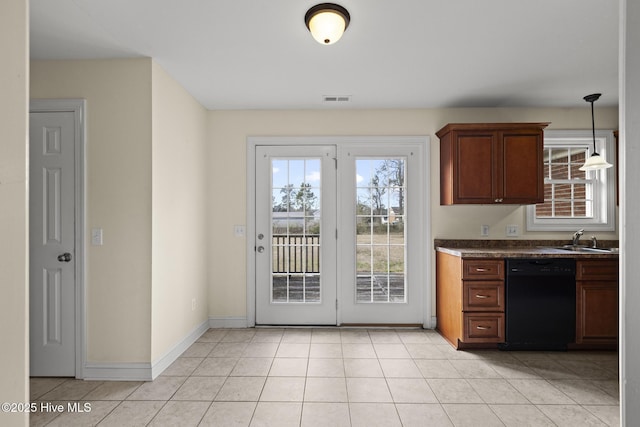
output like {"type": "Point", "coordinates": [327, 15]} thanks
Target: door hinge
{"type": "Point", "coordinates": [336, 234]}
{"type": "Point", "coordinates": [336, 304]}
{"type": "Point", "coordinates": [335, 159]}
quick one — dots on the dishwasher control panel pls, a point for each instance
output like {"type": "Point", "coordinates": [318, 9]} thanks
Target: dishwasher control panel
{"type": "Point", "coordinates": [541, 267]}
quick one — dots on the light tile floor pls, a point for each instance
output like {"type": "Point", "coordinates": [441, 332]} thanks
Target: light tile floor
{"type": "Point", "coordinates": [346, 377]}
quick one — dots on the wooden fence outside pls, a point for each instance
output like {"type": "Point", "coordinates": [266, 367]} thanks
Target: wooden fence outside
{"type": "Point", "coordinates": [296, 253]}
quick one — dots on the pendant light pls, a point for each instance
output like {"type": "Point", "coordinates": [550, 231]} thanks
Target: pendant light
{"type": "Point", "coordinates": [327, 22]}
{"type": "Point", "coordinates": [595, 161]}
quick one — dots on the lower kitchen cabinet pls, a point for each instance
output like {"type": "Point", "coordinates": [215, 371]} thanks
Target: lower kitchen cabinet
{"type": "Point", "coordinates": [470, 300]}
{"type": "Point", "coordinates": [597, 303]}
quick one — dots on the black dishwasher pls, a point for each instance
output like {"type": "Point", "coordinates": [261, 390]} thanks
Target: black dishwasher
{"type": "Point", "coordinates": [540, 303]}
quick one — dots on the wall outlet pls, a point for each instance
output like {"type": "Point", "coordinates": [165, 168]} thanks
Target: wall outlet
{"type": "Point", "coordinates": [193, 304]}
{"type": "Point", "coordinates": [238, 230]}
{"type": "Point", "coordinates": [484, 230]}
{"type": "Point", "coordinates": [513, 230]}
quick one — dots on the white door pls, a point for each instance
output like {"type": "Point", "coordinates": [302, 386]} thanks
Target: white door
{"type": "Point", "coordinates": [295, 235]}
{"type": "Point", "coordinates": [383, 233]}
{"type": "Point", "coordinates": [52, 244]}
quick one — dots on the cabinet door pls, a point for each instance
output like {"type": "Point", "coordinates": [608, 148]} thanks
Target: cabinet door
{"type": "Point", "coordinates": [597, 312]}
{"type": "Point", "coordinates": [521, 177]}
{"type": "Point", "coordinates": [474, 172]}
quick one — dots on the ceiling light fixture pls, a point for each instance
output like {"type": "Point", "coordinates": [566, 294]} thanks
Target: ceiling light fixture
{"type": "Point", "coordinates": [595, 161]}
{"type": "Point", "coordinates": [327, 22]}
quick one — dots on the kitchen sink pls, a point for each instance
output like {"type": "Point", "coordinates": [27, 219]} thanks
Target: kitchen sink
{"type": "Point", "coordinates": [585, 248]}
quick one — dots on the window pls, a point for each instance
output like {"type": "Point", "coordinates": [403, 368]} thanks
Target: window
{"type": "Point", "coordinates": [575, 198]}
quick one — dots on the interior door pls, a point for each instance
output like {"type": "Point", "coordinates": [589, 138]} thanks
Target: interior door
{"type": "Point", "coordinates": [52, 244]}
{"type": "Point", "coordinates": [383, 232]}
{"type": "Point", "coordinates": [295, 235]}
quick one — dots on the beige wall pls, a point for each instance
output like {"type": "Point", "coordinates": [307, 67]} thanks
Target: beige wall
{"type": "Point", "coordinates": [118, 197]}
{"type": "Point", "coordinates": [228, 132]}
{"type": "Point", "coordinates": [14, 251]}
{"type": "Point", "coordinates": [179, 182]}
{"type": "Point", "coordinates": [146, 188]}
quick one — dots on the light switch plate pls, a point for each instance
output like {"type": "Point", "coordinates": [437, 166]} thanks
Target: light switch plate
{"type": "Point", "coordinates": [96, 236]}
{"type": "Point", "coordinates": [484, 230]}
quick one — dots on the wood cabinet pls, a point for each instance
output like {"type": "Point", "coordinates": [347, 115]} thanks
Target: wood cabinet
{"type": "Point", "coordinates": [597, 303]}
{"type": "Point", "coordinates": [491, 163]}
{"type": "Point", "coordinates": [470, 300]}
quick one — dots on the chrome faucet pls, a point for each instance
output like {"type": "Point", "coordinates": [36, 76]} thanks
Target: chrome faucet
{"type": "Point", "coordinates": [594, 242]}
{"type": "Point", "coordinates": [576, 236]}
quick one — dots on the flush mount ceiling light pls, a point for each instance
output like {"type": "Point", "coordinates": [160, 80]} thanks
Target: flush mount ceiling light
{"type": "Point", "coordinates": [327, 22]}
{"type": "Point", "coordinates": [595, 161]}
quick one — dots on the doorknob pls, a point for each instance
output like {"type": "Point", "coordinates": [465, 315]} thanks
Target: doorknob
{"type": "Point", "coordinates": [260, 249]}
{"type": "Point", "coordinates": [65, 257]}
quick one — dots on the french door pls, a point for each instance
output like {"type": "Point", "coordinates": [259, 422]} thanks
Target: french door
{"type": "Point", "coordinates": [296, 235]}
{"type": "Point", "coordinates": [382, 226]}
{"type": "Point", "coordinates": [340, 233]}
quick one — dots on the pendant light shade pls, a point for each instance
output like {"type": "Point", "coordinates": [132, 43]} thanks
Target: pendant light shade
{"type": "Point", "coordinates": [595, 161]}
{"type": "Point", "coordinates": [327, 22]}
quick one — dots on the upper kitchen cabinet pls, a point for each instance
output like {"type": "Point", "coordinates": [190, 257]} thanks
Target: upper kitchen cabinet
{"type": "Point", "coordinates": [491, 163]}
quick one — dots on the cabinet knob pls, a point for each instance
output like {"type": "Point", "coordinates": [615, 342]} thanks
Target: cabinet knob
{"type": "Point", "coordinates": [499, 200]}
{"type": "Point", "coordinates": [483, 328]}
{"type": "Point", "coordinates": [482, 296]}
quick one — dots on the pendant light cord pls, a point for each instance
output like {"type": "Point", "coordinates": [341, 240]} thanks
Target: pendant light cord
{"type": "Point", "coordinates": [591, 99]}
{"type": "Point", "coordinates": [593, 129]}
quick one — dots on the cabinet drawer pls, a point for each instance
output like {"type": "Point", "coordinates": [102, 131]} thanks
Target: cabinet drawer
{"type": "Point", "coordinates": [482, 269]}
{"type": "Point", "coordinates": [597, 269]}
{"type": "Point", "coordinates": [483, 296]}
{"type": "Point", "coordinates": [483, 327]}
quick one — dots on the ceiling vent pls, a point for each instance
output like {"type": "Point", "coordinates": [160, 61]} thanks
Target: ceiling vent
{"type": "Point", "coordinates": [336, 98]}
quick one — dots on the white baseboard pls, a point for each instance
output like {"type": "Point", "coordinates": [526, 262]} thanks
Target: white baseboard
{"type": "Point", "coordinates": [142, 371]}
{"type": "Point", "coordinates": [117, 371]}
{"type": "Point", "coordinates": [163, 363]}
{"type": "Point", "coordinates": [227, 322]}
{"type": "Point", "coordinates": [434, 322]}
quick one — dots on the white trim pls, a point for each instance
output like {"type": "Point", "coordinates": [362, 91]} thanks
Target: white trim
{"type": "Point", "coordinates": [118, 372]}
{"type": "Point", "coordinates": [79, 109]}
{"type": "Point", "coordinates": [165, 361]}
{"type": "Point", "coordinates": [143, 371]}
{"type": "Point", "coordinates": [222, 322]}
{"type": "Point", "coordinates": [605, 219]}
{"type": "Point", "coordinates": [254, 141]}
{"type": "Point", "coordinates": [251, 231]}
{"type": "Point", "coordinates": [434, 323]}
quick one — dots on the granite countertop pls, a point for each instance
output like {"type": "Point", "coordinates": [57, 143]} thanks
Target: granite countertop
{"type": "Point", "coordinates": [518, 249]}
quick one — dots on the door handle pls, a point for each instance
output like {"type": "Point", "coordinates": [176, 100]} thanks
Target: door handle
{"type": "Point", "coordinates": [260, 249]}
{"type": "Point", "coordinates": [65, 257]}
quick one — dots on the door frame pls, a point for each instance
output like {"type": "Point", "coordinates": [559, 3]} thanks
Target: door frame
{"type": "Point", "coordinates": [78, 108]}
{"type": "Point", "coordinates": [338, 141]}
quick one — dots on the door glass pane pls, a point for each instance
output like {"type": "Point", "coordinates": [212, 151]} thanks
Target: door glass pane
{"type": "Point", "coordinates": [295, 219]}
{"type": "Point", "coordinates": [380, 230]}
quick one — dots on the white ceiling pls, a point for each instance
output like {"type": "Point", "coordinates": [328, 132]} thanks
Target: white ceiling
{"type": "Point", "coordinates": [258, 54]}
